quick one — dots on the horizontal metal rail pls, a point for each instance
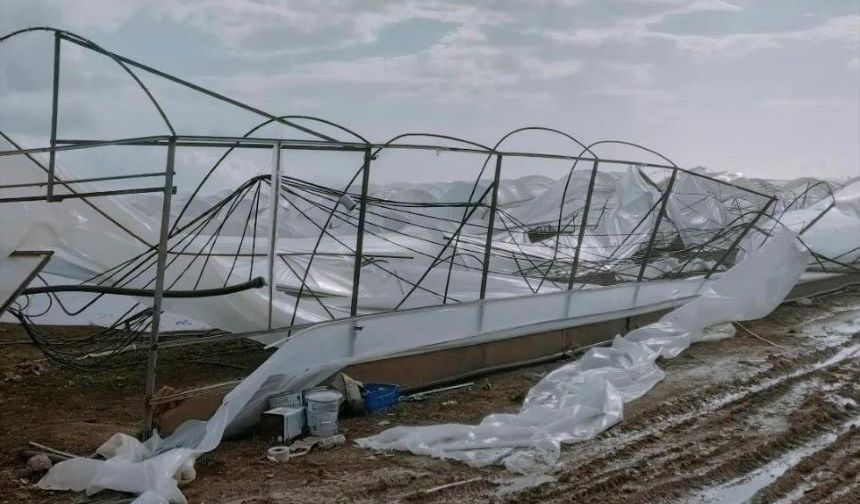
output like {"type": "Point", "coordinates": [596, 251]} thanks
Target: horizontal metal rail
{"type": "Point", "coordinates": [80, 181]}
{"type": "Point", "coordinates": [221, 338]}
{"type": "Point", "coordinates": [60, 197]}
{"type": "Point", "coordinates": [94, 143]}
{"type": "Point", "coordinates": [334, 145]}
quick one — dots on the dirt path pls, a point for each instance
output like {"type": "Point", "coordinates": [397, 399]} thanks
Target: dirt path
{"type": "Point", "coordinates": [734, 419]}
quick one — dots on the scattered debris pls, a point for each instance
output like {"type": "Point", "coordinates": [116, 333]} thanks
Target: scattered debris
{"type": "Point", "coordinates": [34, 368]}
{"type": "Point", "coordinates": [162, 407]}
{"type": "Point", "coordinates": [26, 454]}
{"type": "Point", "coordinates": [451, 485]}
{"type": "Point", "coordinates": [517, 484]}
{"type": "Point", "coordinates": [303, 446]}
{"type": "Point", "coordinates": [217, 363]}
{"type": "Point", "coordinates": [747, 329]}
{"type": "Point", "coordinates": [39, 463]}
{"type": "Point", "coordinates": [420, 396]}
{"type": "Point", "coordinates": [278, 453]}
{"type": "Point", "coordinates": [329, 442]}
{"type": "Point", "coordinates": [351, 391]}
{"type": "Point", "coordinates": [772, 408]}
{"type": "Point", "coordinates": [536, 376]}
{"type": "Point", "coordinates": [51, 450]}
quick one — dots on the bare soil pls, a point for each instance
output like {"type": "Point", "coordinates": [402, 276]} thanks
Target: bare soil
{"type": "Point", "coordinates": [738, 419]}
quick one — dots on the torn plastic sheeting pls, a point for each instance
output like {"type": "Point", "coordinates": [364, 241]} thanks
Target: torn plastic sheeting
{"type": "Point", "coordinates": [620, 234]}
{"type": "Point", "coordinates": [72, 230]}
{"type": "Point", "coordinates": [835, 233]}
{"type": "Point", "coordinates": [582, 399]}
{"type": "Point", "coordinates": [312, 355]}
{"type": "Point", "coordinates": [573, 403]}
{"type": "Point", "coordinates": [695, 209]}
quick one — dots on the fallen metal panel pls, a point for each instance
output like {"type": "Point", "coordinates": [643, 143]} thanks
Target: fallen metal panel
{"type": "Point", "coordinates": [499, 350]}
{"type": "Point", "coordinates": [817, 284]}
{"type": "Point", "coordinates": [17, 271]}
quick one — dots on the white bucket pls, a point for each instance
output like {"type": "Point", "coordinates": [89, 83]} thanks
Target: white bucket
{"type": "Point", "coordinates": [322, 411]}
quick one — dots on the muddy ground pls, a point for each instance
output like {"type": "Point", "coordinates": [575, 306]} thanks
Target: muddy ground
{"type": "Point", "coordinates": [740, 419]}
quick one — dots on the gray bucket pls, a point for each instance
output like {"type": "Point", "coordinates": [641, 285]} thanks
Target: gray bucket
{"type": "Point", "coordinates": [322, 411]}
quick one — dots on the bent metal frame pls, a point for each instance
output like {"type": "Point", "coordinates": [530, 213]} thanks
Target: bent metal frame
{"type": "Point", "coordinates": [280, 147]}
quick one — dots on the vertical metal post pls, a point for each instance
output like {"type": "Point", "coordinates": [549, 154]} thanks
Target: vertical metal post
{"type": "Point", "coordinates": [274, 204]}
{"type": "Point", "coordinates": [494, 201]}
{"type": "Point", "coordinates": [582, 225]}
{"type": "Point", "coordinates": [359, 239]}
{"type": "Point", "coordinates": [660, 215]}
{"type": "Point", "coordinates": [160, 266]}
{"type": "Point", "coordinates": [739, 238]}
{"type": "Point", "coordinates": [54, 105]}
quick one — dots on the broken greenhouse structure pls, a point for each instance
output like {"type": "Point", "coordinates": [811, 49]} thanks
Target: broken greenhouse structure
{"type": "Point", "coordinates": [301, 234]}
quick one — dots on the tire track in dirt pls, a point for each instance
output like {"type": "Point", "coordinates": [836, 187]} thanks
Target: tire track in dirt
{"type": "Point", "coordinates": [828, 474]}
{"type": "Point", "coordinates": [722, 432]}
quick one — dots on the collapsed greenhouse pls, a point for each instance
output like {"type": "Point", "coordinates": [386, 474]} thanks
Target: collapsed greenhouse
{"type": "Point", "coordinates": [323, 249]}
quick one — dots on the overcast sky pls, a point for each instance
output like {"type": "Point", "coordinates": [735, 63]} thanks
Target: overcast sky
{"type": "Point", "coordinates": [768, 88]}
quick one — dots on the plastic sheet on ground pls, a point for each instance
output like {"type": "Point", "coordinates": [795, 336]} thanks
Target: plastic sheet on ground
{"type": "Point", "coordinates": [573, 403]}
{"type": "Point", "coordinates": [582, 399]}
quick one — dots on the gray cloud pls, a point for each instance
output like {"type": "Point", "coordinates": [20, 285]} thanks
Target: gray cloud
{"type": "Point", "coordinates": [747, 94]}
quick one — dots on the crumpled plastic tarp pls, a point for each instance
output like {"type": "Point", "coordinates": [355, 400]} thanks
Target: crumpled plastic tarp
{"type": "Point", "coordinates": [832, 227]}
{"type": "Point", "coordinates": [586, 397]}
{"type": "Point", "coordinates": [77, 235]}
{"type": "Point", "coordinates": [628, 225]}
{"type": "Point", "coordinates": [573, 403]}
{"type": "Point", "coordinates": [695, 208]}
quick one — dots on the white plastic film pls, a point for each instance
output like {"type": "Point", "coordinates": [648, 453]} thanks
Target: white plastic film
{"type": "Point", "coordinates": [584, 398]}
{"type": "Point", "coordinates": [575, 402]}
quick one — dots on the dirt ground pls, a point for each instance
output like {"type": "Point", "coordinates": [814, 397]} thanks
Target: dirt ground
{"type": "Point", "coordinates": [739, 419]}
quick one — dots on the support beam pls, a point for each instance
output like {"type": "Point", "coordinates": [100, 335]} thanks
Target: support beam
{"type": "Point", "coordinates": [660, 216]}
{"type": "Point", "coordinates": [582, 226]}
{"type": "Point", "coordinates": [54, 105]}
{"type": "Point", "coordinates": [160, 266]}
{"type": "Point", "coordinates": [494, 201]}
{"type": "Point", "coordinates": [274, 194]}
{"type": "Point", "coordinates": [740, 237]}
{"type": "Point", "coordinates": [359, 239]}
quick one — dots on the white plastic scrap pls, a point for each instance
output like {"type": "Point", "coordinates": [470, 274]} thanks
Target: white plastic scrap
{"type": "Point", "coordinates": [582, 399]}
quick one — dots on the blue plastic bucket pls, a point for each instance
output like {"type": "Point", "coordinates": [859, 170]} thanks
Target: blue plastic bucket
{"type": "Point", "coordinates": [380, 396]}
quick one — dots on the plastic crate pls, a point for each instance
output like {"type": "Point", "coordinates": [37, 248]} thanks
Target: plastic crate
{"type": "Point", "coordinates": [380, 396]}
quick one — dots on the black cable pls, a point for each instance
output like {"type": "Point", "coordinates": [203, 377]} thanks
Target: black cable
{"type": "Point", "coordinates": [256, 283]}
